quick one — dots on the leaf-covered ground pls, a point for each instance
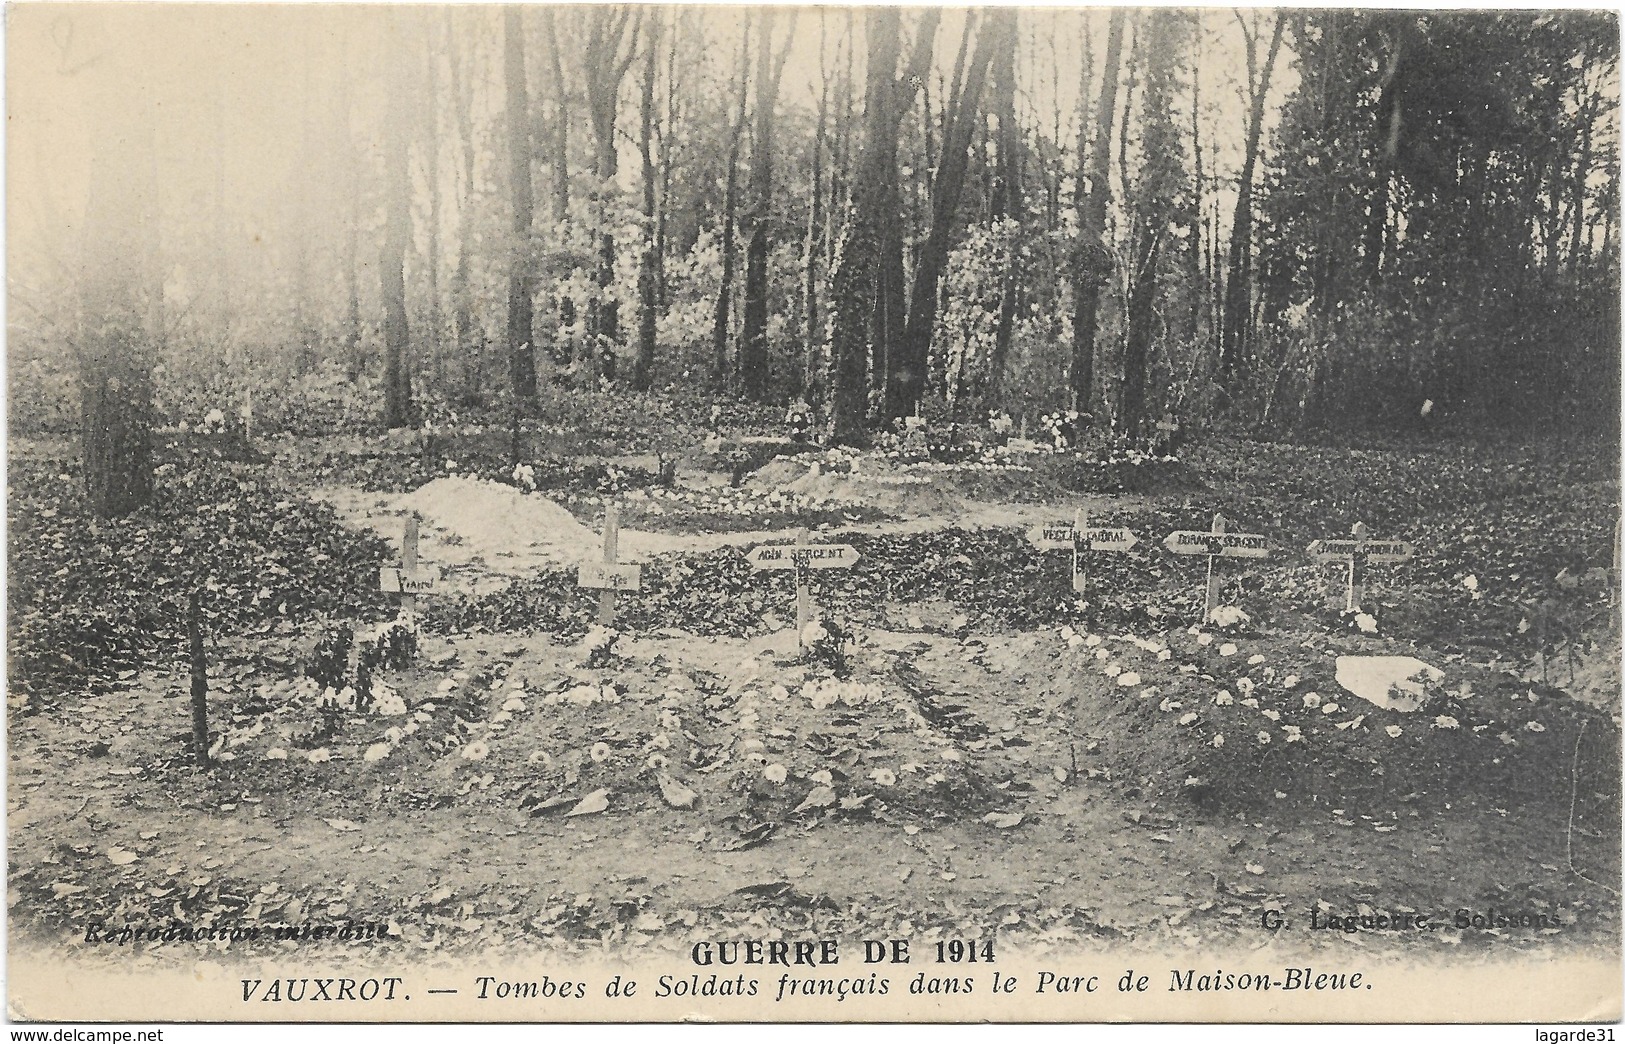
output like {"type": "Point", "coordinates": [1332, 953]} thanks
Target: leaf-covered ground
{"type": "Point", "coordinates": [976, 765]}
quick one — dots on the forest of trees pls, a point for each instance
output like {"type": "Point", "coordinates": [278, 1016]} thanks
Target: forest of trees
{"type": "Point", "coordinates": [1250, 218]}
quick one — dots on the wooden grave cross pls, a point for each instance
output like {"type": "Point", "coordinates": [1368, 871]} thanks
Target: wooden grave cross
{"type": "Point", "coordinates": [610, 576]}
{"type": "Point", "coordinates": [408, 579]}
{"type": "Point", "coordinates": [1360, 552]}
{"type": "Point", "coordinates": [802, 557]}
{"type": "Point", "coordinates": [1216, 544]}
{"type": "Point", "coordinates": [1081, 539]}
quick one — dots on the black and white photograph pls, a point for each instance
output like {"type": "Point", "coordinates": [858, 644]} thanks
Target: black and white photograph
{"type": "Point", "coordinates": [769, 513]}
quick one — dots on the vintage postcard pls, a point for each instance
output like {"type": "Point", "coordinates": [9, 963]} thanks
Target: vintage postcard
{"type": "Point", "coordinates": [842, 514]}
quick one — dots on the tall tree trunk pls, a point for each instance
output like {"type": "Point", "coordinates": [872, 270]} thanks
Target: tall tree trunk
{"type": "Point", "coordinates": [815, 221]}
{"type": "Point", "coordinates": [559, 153]}
{"type": "Point", "coordinates": [559, 162]}
{"type": "Point", "coordinates": [1007, 201]}
{"type": "Point", "coordinates": [1092, 260]}
{"type": "Point", "coordinates": [753, 355]}
{"type": "Point", "coordinates": [397, 240]}
{"type": "Point", "coordinates": [118, 337]}
{"type": "Point", "coordinates": [1157, 190]}
{"type": "Point", "coordinates": [860, 296]}
{"type": "Point", "coordinates": [611, 47]}
{"type": "Point", "coordinates": [962, 116]}
{"type": "Point", "coordinates": [647, 282]}
{"type": "Point", "coordinates": [431, 175]}
{"type": "Point", "coordinates": [1238, 291]}
{"type": "Point", "coordinates": [462, 303]}
{"type": "Point", "coordinates": [521, 346]}
{"type": "Point", "coordinates": [730, 202]}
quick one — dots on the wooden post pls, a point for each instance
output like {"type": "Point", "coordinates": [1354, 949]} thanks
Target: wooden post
{"type": "Point", "coordinates": [1357, 568]}
{"type": "Point", "coordinates": [803, 596]}
{"type": "Point", "coordinates": [1080, 551]}
{"type": "Point", "coordinates": [200, 680]}
{"type": "Point", "coordinates": [248, 415]}
{"type": "Point", "coordinates": [612, 536]}
{"type": "Point", "coordinates": [409, 568]}
{"type": "Point", "coordinates": [1211, 602]}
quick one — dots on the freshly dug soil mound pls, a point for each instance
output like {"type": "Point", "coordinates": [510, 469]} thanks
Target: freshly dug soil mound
{"type": "Point", "coordinates": [499, 519]}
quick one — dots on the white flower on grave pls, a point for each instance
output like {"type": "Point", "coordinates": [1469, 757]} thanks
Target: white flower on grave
{"type": "Point", "coordinates": [1193, 781]}
{"type": "Point", "coordinates": [1148, 693]}
{"type": "Point", "coordinates": [1224, 699]}
{"type": "Point", "coordinates": [1255, 659]}
{"type": "Point", "coordinates": [775, 773]}
{"type": "Point", "coordinates": [823, 777]}
{"type": "Point", "coordinates": [1102, 654]}
{"type": "Point", "coordinates": [1289, 681]}
{"type": "Point", "coordinates": [215, 418]}
{"type": "Point", "coordinates": [1366, 623]}
{"type": "Point", "coordinates": [1228, 649]}
{"type": "Point", "coordinates": [1445, 721]}
{"type": "Point", "coordinates": [1067, 632]}
{"type": "Point", "coordinates": [1311, 700]}
{"type": "Point", "coordinates": [276, 754]}
{"type": "Point", "coordinates": [1073, 642]}
{"type": "Point", "coordinates": [377, 752]}
{"type": "Point", "coordinates": [1273, 715]}
{"type": "Point", "coordinates": [476, 751]}
{"type": "Point", "coordinates": [1169, 704]}
{"type": "Point", "coordinates": [1330, 708]}
{"type": "Point", "coordinates": [1218, 739]}
{"type": "Point", "coordinates": [1263, 738]}
{"type": "Point", "coordinates": [1092, 640]}
{"type": "Point", "coordinates": [1128, 679]}
{"type": "Point", "coordinates": [657, 761]}
{"type": "Point", "coordinates": [1187, 718]}
{"type": "Point", "coordinates": [1535, 726]}
{"type": "Point", "coordinates": [1204, 639]}
{"type": "Point", "coordinates": [813, 633]}
{"type": "Point", "coordinates": [660, 741]}
{"type": "Point", "coordinates": [319, 755]}
{"type": "Point", "coordinates": [1470, 583]}
{"type": "Point", "coordinates": [1229, 616]}
{"type": "Point", "coordinates": [1164, 655]}
{"type": "Point", "coordinates": [952, 755]}
{"type": "Point", "coordinates": [1245, 686]}
{"type": "Point", "coordinates": [884, 777]}
{"type": "Point", "coordinates": [1112, 670]}
{"type": "Point", "coordinates": [1250, 702]}
{"type": "Point", "coordinates": [1293, 733]}
{"type": "Point", "coordinates": [513, 704]}
{"type": "Point", "coordinates": [599, 752]}
{"type": "Point", "coordinates": [1394, 731]}
{"type": "Point", "coordinates": [387, 702]}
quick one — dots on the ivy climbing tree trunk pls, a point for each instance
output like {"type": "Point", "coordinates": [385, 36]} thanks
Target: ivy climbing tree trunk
{"type": "Point", "coordinates": [1238, 290]}
{"type": "Point", "coordinates": [1091, 259]}
{"type": "Point", "coordinates": [648, 260]}
{"type": "Point", "coordinates": [753, 355]}
{"type": "Point", "coordinates": [866, 299]}
{"type": "Point", "coordinates": [962, 115]}
{"type": "Point", "coordinates": [521, 346]}
{"type": "Point", "coordinates": [1007, 200]}
{"type": "Point", "coordinates": [398, 411]}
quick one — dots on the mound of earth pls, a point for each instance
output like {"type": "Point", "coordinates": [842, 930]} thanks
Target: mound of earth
{"type": "Point", "coordinates": [500, 519]}
{"type": "Point", "coordinates": [1239, 724]}
{"type": "Point", "coordinates": [883, 488]}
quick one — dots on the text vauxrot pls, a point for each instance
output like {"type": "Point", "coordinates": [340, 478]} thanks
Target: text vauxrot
{"type": "Point", "coordinates": [334, 989]}
{"type": "Point", "coordinates": [1281, 979]}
